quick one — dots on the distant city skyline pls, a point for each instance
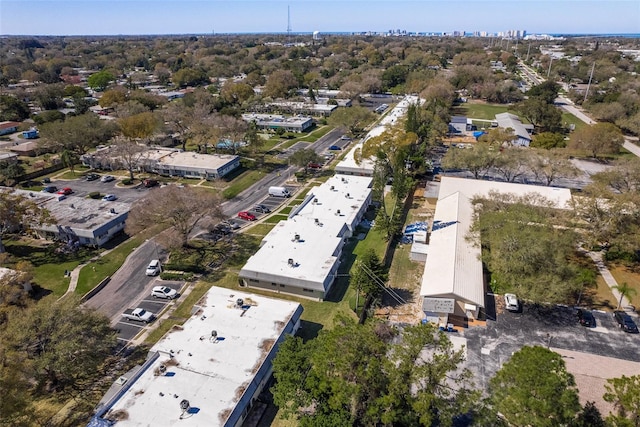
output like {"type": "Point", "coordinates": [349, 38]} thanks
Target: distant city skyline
{"type": "Point", "coordinates": [140, 17]}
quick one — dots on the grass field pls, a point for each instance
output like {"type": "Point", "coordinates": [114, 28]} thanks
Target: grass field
{"type": "Point", "coordinates": [623, 274]}
{"type": "Point", "coordinates": [241, 183]}
{"type": "Point", "coordinates": [482, 111]}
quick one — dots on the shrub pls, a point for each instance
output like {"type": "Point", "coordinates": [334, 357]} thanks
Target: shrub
{"type": "Point", "coordinates": [184, 267]}
{"type": "Point", "coordinates": [176, 276]}
{"type": "Point", "coordinates": [127, 181]}
{"type": "Point", "coordinates": [94, 194]}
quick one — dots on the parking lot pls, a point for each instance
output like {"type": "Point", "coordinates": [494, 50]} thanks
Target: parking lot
{"type": "Point", "coordinates": [554, 327]}
{"type": "Point", "coordinates": [128, 329]}
{"type": "Point", "coordinates": [82, 188]}
{"type": "Point", "coordinates": [270, 202]}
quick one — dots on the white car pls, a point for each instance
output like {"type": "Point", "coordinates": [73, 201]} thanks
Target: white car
{"type": "Point", "coordinates": [109, 198]}
{"type": "Point", "coordinates": [511, 302]}
{"type": "Point", "coordinates": [107, 178]}
{"type": "Point", "coordinates": [164, 292]}
{"type": "Point", "coordinates": [153, 268]}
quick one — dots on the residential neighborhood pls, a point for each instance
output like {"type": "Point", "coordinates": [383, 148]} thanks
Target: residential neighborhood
{"type": "Point", "coordinates": [255, 229]}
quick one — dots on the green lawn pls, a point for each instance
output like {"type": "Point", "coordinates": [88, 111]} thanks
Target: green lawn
{"type": "Point", "coordinates": [570, 119]}
{"type": "Point", "coordinates": [48, 266]}
{"type": "Point", "coordinates": [242, 182]}
{"type": "Point", "coordinates": [96, 271]}
{"type": "Point", "coordinates": [482, 111]}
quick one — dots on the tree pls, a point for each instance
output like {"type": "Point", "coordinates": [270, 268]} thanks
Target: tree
{"type": "Point", "coordinates": [598, 139]}
{"type": "Point", "coordinates": [185, 210]}
{"type": "Point", "coordinates": [512, 163]}
{"type": "Point", "coordinates": [353, 119]}
{"type": "Point", "coordinates": [533, 260]}
{"type": "Point", "coordinates": [589, 417]}
{"type": "Point", "coordinates": [384, 376]}
{"type": "Point", "coordinates": [624, 393]}
{"type": "Point", "coordinates": [280, 83]}
{"type": "Point", "coordinates": [68, 159]}
{"type": "Point", "coordinates": [368, 275]}
{"type": "Point", "coordinates": [549, 165]}
{"type": "Point", "coordinates": [61, 344]}
{"type": "Point", "coordinates": [18, 213]}
{"type": "Point", "coordinates": [534, 389]}
{"type": "Point", "coordinates": [478, 159]}
{"type": "Point", "coordinates": [548, 140]}
{"type": "Point", "coordinates": [189, 77]}
{"type": "Point", "coordinates": [139, 126]}
{"type": "Point", "coordinates": [129, 153]}
{"type": "Point", "coordinates": [13, 109]}
{"type": "Point", "coordinates": [236, 93]}
{"type": "Point", "coordinates": [100, 80]}
{"type": "Point", "coordinates": [303, 157]}
{"type": "Point", "coordinates": [546, 91]}
{"type": "Point", "coordinates": [625, 291]}
{"type": "Point", "coordinates": [113, 97]}
{"type": "Point", "coordinates": [543, 116]}
{"type": "Point", "coordinates": [623, 177]}
{"type": "Point", "coordinates": [76, 134]}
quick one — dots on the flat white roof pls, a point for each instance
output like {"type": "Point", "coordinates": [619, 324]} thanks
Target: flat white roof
{"type": "Point", "coordinates": [80, 214]}
{"type": "Point", "coordinates": [195, 160]}
{"type": "Point", "coordinates": [317, 251]}
{"type": "Point", "coordinates": [211, 375]}
{"type": "Point", "coordinates": [561, 197]}
{"type": "Point", "coordinates": [366, 166]}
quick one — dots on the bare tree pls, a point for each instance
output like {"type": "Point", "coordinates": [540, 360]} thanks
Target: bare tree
{"type": "Point", "coordinates": [183, 210]}
{"type": "Point", "coordinates": [129, 153]}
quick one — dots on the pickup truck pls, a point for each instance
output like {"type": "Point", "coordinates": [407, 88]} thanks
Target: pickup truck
{"type": "Point", "coordinates": [138, 314]}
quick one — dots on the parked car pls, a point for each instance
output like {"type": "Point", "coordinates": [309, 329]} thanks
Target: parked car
{"type": "Point", "coordinates": [232, 224]}
{"type": "Point", "coordinates": [511, 302]}
{"type": "Point", "coordinates": [46, 180]}
{"type": "Point", "coordinates": [150, 183]}
{"type": "Point", "coordinates": [50, 189]}
{"type": "Point", "coordinates": [65, 191]}
{"type": "Point", "coordinates": [625, 322]}
{"type": "Point", "coordinates": [139, 314]}
{"type": "Point", "coordinates": [585, 317]}
{"type": "Point", "coordinates": [335, 148]}
{"type": "Point", "coordinates": [109, 198]}
{"type": "Point", "coordinates": [107, 178]}
{"type": "Point", "coordinates": [164, 292]}
{"type": "Point", "coordinates": [345, 138]}
{"type": "Point", "coordinates": [312, 165]}
{"type": "Point", "coordinates": [222, 228]}
{"type": "Point", "coordinates": [246, 216]}
{"type": "Point", "coordinates": [261, 209]}
{"type": "Point", "coordinates": [92, 176]}
{"type": "Point", "coordinates": [153, 268]}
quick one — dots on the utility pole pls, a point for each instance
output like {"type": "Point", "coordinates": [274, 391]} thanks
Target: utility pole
{"type": "Point", "coordinates": [528, 50]}
{"type": "Point", "coordinates": [589, 84]}
{"type": "Point", "coordinates": [550, 62]}
{"type": "Point", "coordinates": [288, 24]}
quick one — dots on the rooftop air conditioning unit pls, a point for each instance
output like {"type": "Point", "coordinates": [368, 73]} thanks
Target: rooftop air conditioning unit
{"type": "Point", "coordinates": [338, 212]}
{"type": "Point", "coordinates": [315, 201]}
{"type": "Point", "coordinates": [348, 196]}
{"type": "Point", "coordinates": [296, 237]}
{"type": "Point", "coordinates": [291, 262]}
{"type": "Point", "coordinates": [214, 334]}
{"type": "Point", "coordinates": [333, 188]}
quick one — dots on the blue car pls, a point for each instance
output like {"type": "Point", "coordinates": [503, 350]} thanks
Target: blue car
{"type": "Point", "coordinates": [335, 147]}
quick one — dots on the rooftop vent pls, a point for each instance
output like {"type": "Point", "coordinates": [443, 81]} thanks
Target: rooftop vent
{"type": "Point", "coordinates": [73, 206]}
{"type": "Point", "coordinates": [239, 302]}
{"type": "Point", "coordinates": [112, 210]}
{"type": "Point", "coordinates": [315, 201]}
{"type": "Point", "coordinates": [333, 188]}
{"type": "Point", "coordinates": [296, 237]}
{"type": "Point", "coordinates": [338, 212]}
{"type": "Point", "coordinates": [291, 262]}
{"type": "Point", "coordinates": [214, 334]}
{"type": "Point", "coordinates": [348, 196]}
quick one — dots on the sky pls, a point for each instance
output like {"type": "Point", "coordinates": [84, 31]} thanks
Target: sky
{"type": "Point", "coordinates": [134, 17]}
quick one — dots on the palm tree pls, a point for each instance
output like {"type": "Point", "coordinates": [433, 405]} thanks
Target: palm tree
{"type": "Point", "coordinates": [68, 159]}
{"type": "Point", "coordinates": [626, 291]}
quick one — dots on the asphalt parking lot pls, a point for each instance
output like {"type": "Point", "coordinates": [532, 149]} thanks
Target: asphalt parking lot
{"type": "Point", "coordinates": [555, 327]}
{"type": "Point", "coordinates": [128, 329]}
{"type": "Point", "coordinates": [273, 203]}
{"type": "Point", "coordinates": [82, 188]}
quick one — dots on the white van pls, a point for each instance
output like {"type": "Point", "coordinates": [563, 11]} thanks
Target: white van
{"type": "Point", "coordinates": [279, 192]}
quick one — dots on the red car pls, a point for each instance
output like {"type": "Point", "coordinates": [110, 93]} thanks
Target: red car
{"type": "Point", "coordinates": [66, 191]}
{"type": "Point", "coordinates": [247, 216]}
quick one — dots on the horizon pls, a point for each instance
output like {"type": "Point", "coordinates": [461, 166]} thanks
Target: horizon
{"type": "Point", "coordinates": [199, 17]}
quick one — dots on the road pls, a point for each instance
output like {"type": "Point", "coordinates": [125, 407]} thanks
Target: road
{"type": "Point", "coordinates": [258, 191]}
{"type": "Point", "coordinates": [129, 287]}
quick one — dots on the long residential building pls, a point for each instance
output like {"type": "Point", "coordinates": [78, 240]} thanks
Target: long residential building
{"type": "Point", "coordinates": [453, 288]}
{"type": "Point", "coordinates": [301, 256]}
{"type": "Point", "coordinates": [207, 372]}
{"type": "Point", "coordinates": [77, 221]}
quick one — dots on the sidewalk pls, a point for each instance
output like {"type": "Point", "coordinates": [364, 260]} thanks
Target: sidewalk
{"type": "Point", "coordinates": [75, 274]}
{"type": "Point", "coordinates": [609, 279]}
